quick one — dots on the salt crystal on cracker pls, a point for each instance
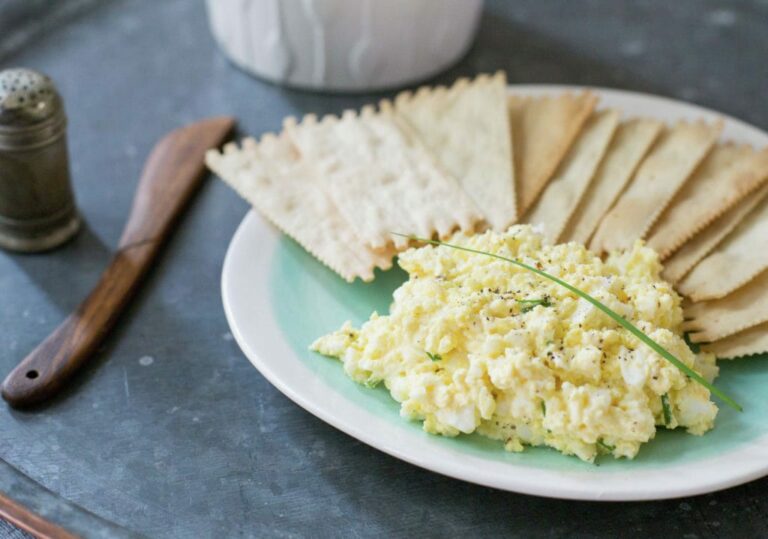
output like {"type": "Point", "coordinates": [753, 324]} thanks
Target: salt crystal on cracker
{"type": "Point", "coordinates": [565, 190]}
{"type": "Point", "coordinates": [662, 173]}
{"type": "Point", "coordinates": [467, 129]}
{"type": "Point", "coordinates": [381, 177]}
{"type": "Point", "coordinates": [728, 174]}
{"type": "Point", "coordinates": [744, 308]}
{"type": "Point", "coordinates": [272, 176]}
{"type": "Point", "coordinates": [745, 343]}
{"type": "Point", "coordinates": [741, 256]}
{"type": "Point", "coordinates": [682, 261]}
{"type": "Point", "coordinates": [630, 143]}
{"type": "Point", "coordinates": [543, 128]}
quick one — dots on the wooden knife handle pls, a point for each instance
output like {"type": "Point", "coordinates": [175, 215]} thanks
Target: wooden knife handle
{"type": "Point", "coordinates": [172, 173]}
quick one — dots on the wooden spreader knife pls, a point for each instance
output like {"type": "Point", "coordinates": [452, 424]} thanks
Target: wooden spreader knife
{"type": "Point", "coordinates": [171, 175]}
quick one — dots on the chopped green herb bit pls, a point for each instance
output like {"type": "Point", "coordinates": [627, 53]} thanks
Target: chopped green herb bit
{"type": "Point", "coordinates": [543, 408]}
{"type": "Point", "coordinates": [695, 347]}
{"type": "Point", "coordinates": [601, 444]}
{"type": "Point", "coordinates": [371, 383]}
{"type": "Point", "coordinates": [666, 408]}
{"type": "Point", "coordinates": [434, 357]}
{"type": "Point", "coordinates": [529, 304]}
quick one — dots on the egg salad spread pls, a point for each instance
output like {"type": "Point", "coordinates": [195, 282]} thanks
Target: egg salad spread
{"type": "Point", "coordinates": [476, 344]}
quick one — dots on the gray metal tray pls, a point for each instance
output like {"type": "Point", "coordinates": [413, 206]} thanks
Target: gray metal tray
{"type": "Point", "coordinates": [196, 443]}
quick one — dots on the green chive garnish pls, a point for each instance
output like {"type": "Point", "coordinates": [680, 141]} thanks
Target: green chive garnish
{"type": "Point", "coordinates": [666, 408]}
{"type": "Point", "coordinates": [653, 345]}
{"type": "Point", "coordinates": [543, 408]}
{"type": "Point", "coordinates": [434, 357]}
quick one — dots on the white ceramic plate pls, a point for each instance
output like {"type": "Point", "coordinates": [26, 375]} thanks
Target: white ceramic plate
{"type": "Point", "coordinates": [278, 299]}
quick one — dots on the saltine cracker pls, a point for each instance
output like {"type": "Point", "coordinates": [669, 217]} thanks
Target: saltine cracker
{"type": "Point", "coordinates": [728, 174]}
{"type": "Point", "coordinates": [745, 343]}
{"type": "Point", "coordinates": [543, 128]}
{"type": "Point", "coordinates": [662, 173]}
{"type": "Point", "coordinates": [630, 144]}
{"type": "Point", "coordinates": [381, 177]}
{"type": "Point", "coordinates": [272, 176]}
{"type": "Point", "coordinates": [744, 308]}
{"type": "Point", "coordinates": [467, 129]}
{"type": "Point", "coordinates": [741, 256]}
{"type": "Point", "coordinates": [564, 191]}
{"type": "Point", "coordinates": [683, 261]}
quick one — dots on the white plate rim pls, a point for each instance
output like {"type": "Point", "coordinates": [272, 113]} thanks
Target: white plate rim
{"type": "Point", "coordinates": [295, 380]}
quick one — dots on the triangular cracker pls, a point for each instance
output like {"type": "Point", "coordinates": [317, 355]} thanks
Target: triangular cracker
{"type": "Point", "coordinates": [745, 343]}
{"type": "Point", "coordinates": [742, 309]}
{"type": "Point", "coordinates": [728, 174]}
{"type": "Point", "coordinates": [682, 261]}
{"type": "Point", "coordinates": [662, 173]}
{"type": "Point", "coordinates": [272, 176]}
{"type": "Point", "coordinates": [630, 143]}
{"type": "Point", "coordinates": [736, 261]}
{"type": "Point", "coordinates": [467, 129]}
{"type": "Point", "coordinates": [381, 177]}
{"type": "Point", "coordinates": [564, 191]}
{"type": "Point", "coordinates": [543, 128]}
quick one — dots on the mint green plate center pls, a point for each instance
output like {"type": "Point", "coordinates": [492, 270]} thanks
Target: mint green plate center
{"type": "Point", "coordinates": [309, 301]}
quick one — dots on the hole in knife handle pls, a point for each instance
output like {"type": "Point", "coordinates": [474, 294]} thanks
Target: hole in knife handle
{"type": "Point", "coordinates": [32, 374]}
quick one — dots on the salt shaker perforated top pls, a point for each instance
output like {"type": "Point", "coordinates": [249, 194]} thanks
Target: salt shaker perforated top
{"type": "Point", "coordinates": [37, 207]}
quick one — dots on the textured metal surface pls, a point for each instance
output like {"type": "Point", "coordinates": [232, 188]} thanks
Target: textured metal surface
{"type": "Point", "coordinates": [172, 433]}
{"type": "Point", "coordinates": [54, 508]}
{"type": "Point", "coordinates": [9, 531]}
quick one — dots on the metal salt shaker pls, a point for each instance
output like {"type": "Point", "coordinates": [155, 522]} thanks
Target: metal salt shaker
{"type": "Point", "coordinates": [37, 207]}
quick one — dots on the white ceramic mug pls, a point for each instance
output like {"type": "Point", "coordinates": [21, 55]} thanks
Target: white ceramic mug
{"type": "Point", "coordinates": [344, 45]}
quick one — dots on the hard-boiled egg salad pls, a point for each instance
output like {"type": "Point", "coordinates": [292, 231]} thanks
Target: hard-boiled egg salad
{"type": "Point", "coordinates": [476, 344]}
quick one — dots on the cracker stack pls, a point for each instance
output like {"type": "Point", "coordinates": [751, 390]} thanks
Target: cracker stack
{"type": "Point", "coordinates": [473, 156]}
{"type": "Point", "coordinates": [422, 165]}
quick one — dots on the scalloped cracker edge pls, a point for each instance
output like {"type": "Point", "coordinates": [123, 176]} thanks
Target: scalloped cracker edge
{"type": "Point", "coordinates": [683, 261]}
{"type": "Point", "coordinates": [662, 173]}
{"type": "Point", "coordinates": [746, 343]}
{"type": "Point", "coordinates": [272, 176]}
{"type": "Point", "coordinates": [741, 257]}
{"type": "Point", "coordinates": [564, 191]}
{"type": "Point", "coordinates": [381, 177]}
{"type": "Point", "coordinates": [720, 318]}
{"type": "Point", "coordinates": [630, 144]}
{"type": "Point", "coordinates": [543, 128]}
{"type": "Point", "coordinates": [466, 128]}
{"type": "Point", "coordinates": [728, 174]}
